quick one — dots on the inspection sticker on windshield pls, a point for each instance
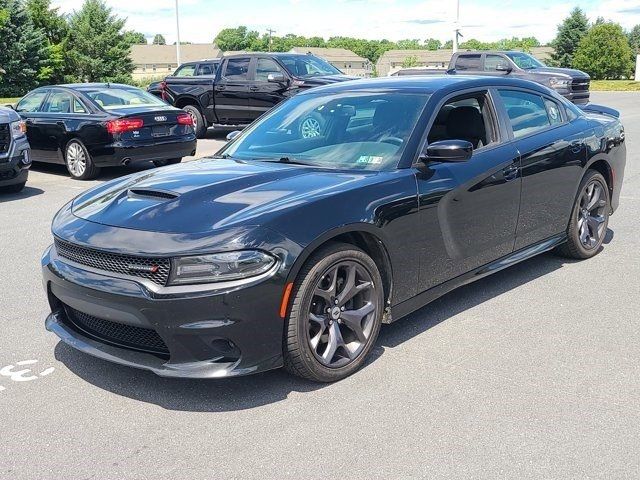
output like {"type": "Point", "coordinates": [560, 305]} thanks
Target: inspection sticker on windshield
{"type": "Point", "coordinates": [370, 160]}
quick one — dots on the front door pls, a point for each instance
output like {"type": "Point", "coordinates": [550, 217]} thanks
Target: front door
{"type": "Point", "coordinates": [468, 210]}
{"type": "Point", "coordinates": [30, 109]}
{"type": "Point", "coordinates": [264, 95]}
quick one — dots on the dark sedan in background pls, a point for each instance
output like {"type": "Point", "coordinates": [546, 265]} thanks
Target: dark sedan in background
{"type": "Point", "coordinates": [90, 126]}
{"type": "Point", "coordinates": [293, 250]}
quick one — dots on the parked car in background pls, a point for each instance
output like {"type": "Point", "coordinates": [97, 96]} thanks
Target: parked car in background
{"type": "Point", "coordinates": [571, 84]}
{"type": "Point", "coordinates": [293, 250]}
{"type": "Point", "coordinates": [15, 154]}
{"type": "Point", "coordinates": [189, 69]}
{"type": "Point", "coordinates": [93, 125]}
{"type": "Point", "coordinates": [245, 86]}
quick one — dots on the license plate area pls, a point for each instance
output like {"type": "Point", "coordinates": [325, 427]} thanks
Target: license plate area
{"type": "Point", "coordinates": [160, 131]}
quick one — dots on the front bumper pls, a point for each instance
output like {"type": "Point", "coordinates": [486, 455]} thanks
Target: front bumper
{"type": "Point", "coordinates": [129, 152]}
{"type": "Point", "coordinates": [15, 164]}
{"type": "Point", "coordinates": [208, 334]}
{"type": "Point", "coordinates": [577, 97]}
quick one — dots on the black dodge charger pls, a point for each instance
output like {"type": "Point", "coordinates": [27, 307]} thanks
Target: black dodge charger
{"type": "Point", "coordinates": [89, 126]}
{"type": "Point", "coordinates": [292, 251]}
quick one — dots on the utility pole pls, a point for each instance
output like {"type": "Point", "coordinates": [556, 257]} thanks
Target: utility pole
{"type": "Point", "coordinates": [456, 30]}
{"type": "Point", "coordinates": [178, 34]}
{"type": "Point", "coordinates": [270, 32]}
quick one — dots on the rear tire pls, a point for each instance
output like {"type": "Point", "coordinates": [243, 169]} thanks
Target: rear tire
{"type": "Point", "coordinates": [199, 123]}
{"type": "Point", "coordinates": [164, 163]}
{"type": "Point", "coordinates": [17, 188]}
{"type": "Point", "coordinates": [335, 316]}
{"type": "Point", "coordinates": [589, 218]}
{"type": "Point", "coordinates": [79, 162]}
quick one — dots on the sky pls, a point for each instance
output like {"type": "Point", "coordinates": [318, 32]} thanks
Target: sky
{"type": "Point", "coordinates": [487, 20]}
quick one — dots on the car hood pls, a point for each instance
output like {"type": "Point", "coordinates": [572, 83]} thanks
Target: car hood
{"type": "Point", "coordinates": [7, 115]}
{"type": "Point", "coordinates": [327, 80]}
{"type": "Point", "coordinates": [560, 72]}
{"type": "Point", "coordinates": [209, 194]}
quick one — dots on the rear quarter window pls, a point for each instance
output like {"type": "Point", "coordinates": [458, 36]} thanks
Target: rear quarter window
{"type": "Point", "coordinates": [469, 62]}
{"type": "Point", "coordinates": [527, 112]}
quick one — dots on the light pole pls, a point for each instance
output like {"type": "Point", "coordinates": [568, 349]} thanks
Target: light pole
{"type": "Point", "coordinates": [271, 32]}
{"type": "Point", "coordinates": [178, 33]}
{"type": "Point", "coordinates": [456, 30]}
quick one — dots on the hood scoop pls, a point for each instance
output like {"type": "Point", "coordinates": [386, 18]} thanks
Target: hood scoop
{"type": "Point", "coordinates": [152, 193]}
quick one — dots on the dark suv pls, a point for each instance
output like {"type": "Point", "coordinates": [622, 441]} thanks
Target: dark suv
{"type": "Point", "coordinates": [15, 154]}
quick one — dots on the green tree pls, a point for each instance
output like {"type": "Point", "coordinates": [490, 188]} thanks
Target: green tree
{"type": "Point", "coordinates": [23, 49]}
{"type": "Point", "coordinates": [159, 39]}
{"type": "Point", "coordinates": [98, 49]}
{"type": "Point", "coordinates": [604, 52]}
{"type": "Point", "coordinates": [432, 44]}
{"type": "Point", "coordinates": [634, 38]}
{"type": "Point", "coordinates": [411, 61]}
{"type": "Point", "coordinates": [570, 33]}
{"type": "Point", "coordinates": [135, 38]}
{"type": "Point", "coordinates": [54, 27]}
{"type": "Point", "coordinates": [238, 38]}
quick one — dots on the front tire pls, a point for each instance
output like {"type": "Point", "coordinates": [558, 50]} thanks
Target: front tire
{"type": "Point", "coordinates": [335, 316]}
{"type": "Point", "coordinates": [589, 218]}
{"type": "Point", "coordinates": [199, 123]}
{"type": "Point", "coordinates": [79, 162]}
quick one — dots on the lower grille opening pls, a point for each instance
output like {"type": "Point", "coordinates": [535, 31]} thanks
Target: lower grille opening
{"type": "Point", "coordinates": [126, 336]}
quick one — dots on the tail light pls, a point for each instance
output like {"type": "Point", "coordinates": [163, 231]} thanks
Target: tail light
{"type": "Point", "coordinates": [163, 90]}
{"type": "Point", "coordinates": [122, 125]}
{"type": "Point", "coordinates": [185, 119]}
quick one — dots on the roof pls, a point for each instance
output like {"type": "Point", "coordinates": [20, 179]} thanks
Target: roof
{"type": "Point", "coordinates": [331, 54]}
{"type": "Point", "coordinates": [424, 84]}
{"type": "Point", "coordinates": [149, 54]}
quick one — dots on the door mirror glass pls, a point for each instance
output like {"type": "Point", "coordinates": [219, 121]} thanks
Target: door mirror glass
{"type": "Point", "coordinates": [501, 67]}
{"type": "Point", "coordinates": [233, 135]}
{"type": "Point", "coordinates": [448, 151]}
{"type": "Point", "coordinates": [276, 78]}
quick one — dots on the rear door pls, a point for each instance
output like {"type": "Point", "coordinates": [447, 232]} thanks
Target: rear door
{"type": "Point", "coordinates": [30, 109]}
{"type": "Point", "coordinates": [231, 92]}
{"type": "Point", "coordinates": [552, 150]}
{"type": "Point", "coordinates": [264, 95]}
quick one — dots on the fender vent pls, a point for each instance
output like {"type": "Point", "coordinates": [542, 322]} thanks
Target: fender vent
{"type": "Point", "coordinates": [153, 193]}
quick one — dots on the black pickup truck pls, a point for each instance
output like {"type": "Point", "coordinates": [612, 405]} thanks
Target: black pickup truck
{"type": "Point", "coordinates": [247, 85]}
{"type": "Point", "coordinates": [189, 69]}
{"type": "Point", "coordinates": [571, 84]}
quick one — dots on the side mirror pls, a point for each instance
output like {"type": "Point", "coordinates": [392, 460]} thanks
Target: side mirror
{"type": "Point", "coordinates": [503, 68]}
{"type": "Point", "coordinates": [448, 151]}
{"type": "Point", "coordinates": [276, 78]}
{"type": "Point", "coordinates": [232, 135]}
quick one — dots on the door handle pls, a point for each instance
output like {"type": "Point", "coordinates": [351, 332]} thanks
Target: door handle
{"type": "Point", "coordinates": [220, 88]}
{"type": "Point", "coordinates": [60, 123]}
{"type": "Point", "coordinates": [576, 147]}
{"type": "Point", "coordinates": [511, 172]}
{"type": "Point", "coordinates": [29, 121]}
{"type": "Point", "coordinates": [254, 88]}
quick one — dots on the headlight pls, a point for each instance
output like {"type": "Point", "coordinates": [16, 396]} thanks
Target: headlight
{"type": "Point", "coordinates": [219, 267]}
{"type": "Point", "coordinates": [559, 82]}
{"type": "Point", "coordinates": [18, 129]}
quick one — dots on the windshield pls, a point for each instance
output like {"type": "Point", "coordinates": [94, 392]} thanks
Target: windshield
{"type": "Point", "coordinates": [350, 130]}
{"type": "Point", "coordinates": [308, 66]}
{"type": "Point", "coordinates": [111, 98]}
{"type": "Point", "coordinates": [524, 60]}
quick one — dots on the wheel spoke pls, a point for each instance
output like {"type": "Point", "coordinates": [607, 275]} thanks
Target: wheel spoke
{"type": "Point", "coordinates": [351, 286]}
{"type": "Point", "coordinates": [594, 224]}
{"type": "Point", "coordinates": [335, 341]}
{"type": "Point", "coordinates": [584, 231]}
{"type": "Point", "coordinates": [353, 320]}
{"type": "Point", "coordinates": [329, 294]}
{"type": "Point", "coordinates": [594, 197]}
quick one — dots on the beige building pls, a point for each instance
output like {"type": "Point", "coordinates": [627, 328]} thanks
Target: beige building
{"type": "Point", "coordinates": [341, 58]}
{"type": "Point", "coordinates": [151, 61]}
{"type": "Point", "coordinates": [392, 60]}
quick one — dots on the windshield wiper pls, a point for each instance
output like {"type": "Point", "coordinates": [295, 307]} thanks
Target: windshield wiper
{"type": "Point", "coordinates": [287, 160]}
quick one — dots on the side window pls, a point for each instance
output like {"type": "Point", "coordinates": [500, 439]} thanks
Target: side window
{"type": "Point", "coordinates": [527, 112]}
{"type": "Point", "coordinates": [553, 110]}
{"type": "Point", "coordinates": [206, 69]}
{"type": "Point", "coordinates": [78, 107]}
{"type": "Point", "coordinates": [494, 63]}
{"type": "Point", "coordinates": [237, 69]}
{"type": "Point", "coordinates": [59, 102]}
{"type": "Point", "coordinates": [32, 102]}
{"type": "Point", "coordinates": [186, 71]}
{"type": "Point", "coordinates": [264, 67]}
{"type": "Point", "coordinates": [465, 118]}
{"type": "Point", "coordinates": [469, 62]}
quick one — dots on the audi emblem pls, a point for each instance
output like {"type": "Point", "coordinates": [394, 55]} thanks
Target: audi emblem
{"type": "Point", "coordinates": [161, 118]}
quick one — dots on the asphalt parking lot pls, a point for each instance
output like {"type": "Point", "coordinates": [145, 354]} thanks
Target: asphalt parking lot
{"type": "Point", "coordinates": [531, 373]}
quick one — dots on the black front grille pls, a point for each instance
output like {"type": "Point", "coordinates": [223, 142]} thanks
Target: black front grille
{"type": "Point", "coordinates": [119, 334]}
{"type": "Point", "coordinates": [5, 137]}
{"type": "Point", "coordinates": [581, 85]}
{"type": "Point", "coordinates": [154, 269]}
